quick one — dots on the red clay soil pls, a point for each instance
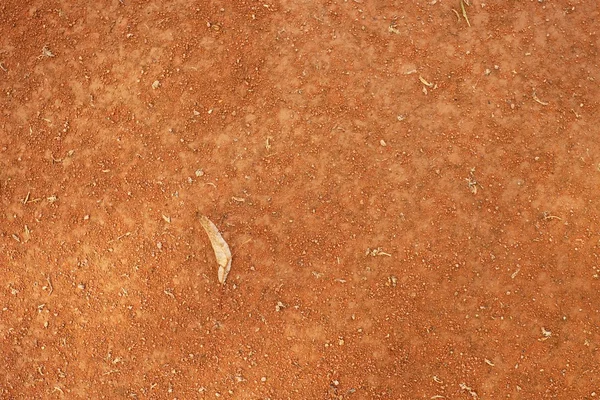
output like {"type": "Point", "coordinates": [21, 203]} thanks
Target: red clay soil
{"type": "Point", "coordinates": [411, 199]}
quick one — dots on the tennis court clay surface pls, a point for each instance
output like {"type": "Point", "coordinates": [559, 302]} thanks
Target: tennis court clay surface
{"type": "Point", "coordinates": [409, 189]}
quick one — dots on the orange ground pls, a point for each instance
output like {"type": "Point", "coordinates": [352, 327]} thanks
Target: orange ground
{"type": "Point", "coordinates": [412, 203]}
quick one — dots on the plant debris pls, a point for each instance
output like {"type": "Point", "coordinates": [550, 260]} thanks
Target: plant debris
{"type": "Point", "coordinates": [546, 216]}
{"type": "Point", "coordinates": [472, 182]}
{"type": "Point", "coordinates": [457, 15]}
{"type": "Point", "coordinates": [546, 333]}
{"type": "Point", "coordinates": [46, 53]}
{"type": "Point", "coordinates": [425, 82]}
{"type": "Point", "coordinates": [544, 103]}
{"type": "Point", "coordinates": [467, 389]}
{"type": "Point", "coordinates": [220, 247]}
{"type": "Point", "coordinates": [464, 12]}
{"type": "Point", "coordinates": [377, 252]}
{"type": "Point", "coordinates": [393, 28]}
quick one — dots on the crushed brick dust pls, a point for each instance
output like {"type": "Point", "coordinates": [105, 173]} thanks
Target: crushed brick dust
{"type": "Point", "coordinates": [411, 200]}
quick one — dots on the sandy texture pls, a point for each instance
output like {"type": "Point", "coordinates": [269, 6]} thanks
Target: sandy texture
{"type": "Point", "coordinates": [411, 203]}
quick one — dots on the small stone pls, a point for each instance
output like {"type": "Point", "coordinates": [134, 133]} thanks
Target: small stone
{"type": "Point", "coordinates": [155, 85]}
{"type": "Point", "coordinates": [199, 173]}
{"type": "Point", "coordinates": [383, 143]}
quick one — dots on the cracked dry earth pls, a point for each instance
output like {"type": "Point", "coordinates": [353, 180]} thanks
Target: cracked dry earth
{"type": "Point", "coordinates": [411, 202]}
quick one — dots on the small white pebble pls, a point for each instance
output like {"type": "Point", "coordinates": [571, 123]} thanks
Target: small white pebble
{"type": "Point", "coordinates": [383, 143]}
{"type": "Point", "coordinates": [263, 379]}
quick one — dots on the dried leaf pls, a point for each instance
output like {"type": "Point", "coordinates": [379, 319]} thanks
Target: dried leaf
{"type": "Point", "coordinates": [222, 252]}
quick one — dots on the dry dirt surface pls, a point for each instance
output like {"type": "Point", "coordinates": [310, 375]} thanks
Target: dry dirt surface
{"type": "Point", "coordinates": [410, 191]}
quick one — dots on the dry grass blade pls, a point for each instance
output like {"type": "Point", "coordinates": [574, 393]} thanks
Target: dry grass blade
{"type": "Point", "coordinates": [464, 12]}
{"type": "Point", "coordinates": [220, 247]}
